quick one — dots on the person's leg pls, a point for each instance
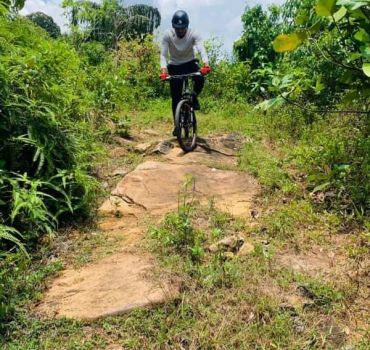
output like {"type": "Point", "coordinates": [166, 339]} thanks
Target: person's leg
{"type": "Point", "coordinates": [198, 83]}
{"type": "Point", "coordinates": [176, 90]}
{"type": "Point", "coordinates": [175, 86]}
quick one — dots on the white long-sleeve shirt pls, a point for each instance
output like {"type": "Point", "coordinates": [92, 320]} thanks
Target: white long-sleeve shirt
{"type": "Point", "coordinates": [181, 50]}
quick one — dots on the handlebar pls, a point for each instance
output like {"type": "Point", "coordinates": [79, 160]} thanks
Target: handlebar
{"type": "Point", "coordinates": [181, 76]}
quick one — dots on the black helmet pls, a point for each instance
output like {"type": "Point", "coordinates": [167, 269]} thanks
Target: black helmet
{"type": "Point", "coordinates": [180, 20]}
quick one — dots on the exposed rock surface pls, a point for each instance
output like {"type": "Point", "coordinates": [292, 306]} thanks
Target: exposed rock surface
{"type": "Point", "coordinates": [155, 187]}
{"type": "Point", "coordinates": [163, 147]}
{"type": "Point", "coordinates": [114, 286]}
{"type": "Point", "coordinates": [124, 280]}
{"type": "Point", "coordinates": [142, 147]}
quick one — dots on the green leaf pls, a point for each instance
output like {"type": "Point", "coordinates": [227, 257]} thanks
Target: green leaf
{"type": "Point", "coordinates": [319, 85]}
{"type": "Point", "coordinates": [366, 69]}
{"type": "Point", "coordinates": [340, 14]}
{"type": "Point", "coordinates": [288, 42]}
{"type": "Point", "coordinates": [354, 56]}
{"type": "Point", "coordinates": [359, 14]}
{"type": "Point", "coordinates": [301, 19]}
{"type": "Point", "coordinates": [353, 4]}
{"type": "Point", "coordinates": [362, 36]}
{"type": "Point", "coordinates": [321, 187]}
{"type": "Point", "coordinates": [342, 167]}
{"type": "Point", "coordinates": [365, 51]}
{"type": "Point", "coordinates": [315, 28]}
{"type": "Point", "coordinates": [325, 8]}
{"type": "Point", "coordinates": [267, 104]}
{"type": "Point", "coordinates": [3, 9]}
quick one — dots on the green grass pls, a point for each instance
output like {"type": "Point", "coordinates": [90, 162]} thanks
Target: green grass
{"type": "Point", "coordinates": [257, 160]}
{"type": "Point", "coordinates": [220, 119]}
{"type": "Point", "coordinates": [227, 303]}
{"type": "Point", "coordinates": [224, 304]}
{"type": "Point", "coordinates": [155, 114]}
{"type": "Point", "coordinates": [238, 117]}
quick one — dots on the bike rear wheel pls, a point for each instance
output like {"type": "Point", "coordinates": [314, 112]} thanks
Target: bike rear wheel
{"type": "Point", "coordinates": [186, 125]}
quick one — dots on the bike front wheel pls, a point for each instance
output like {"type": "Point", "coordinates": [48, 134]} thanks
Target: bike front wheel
{"type": "Point", "coordinates": [186, 125]}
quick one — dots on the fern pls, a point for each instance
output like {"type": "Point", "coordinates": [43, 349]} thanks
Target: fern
{"type": "Point", "coordinates": [9, 234]}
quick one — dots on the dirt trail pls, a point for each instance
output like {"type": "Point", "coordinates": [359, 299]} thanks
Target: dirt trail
{"type": "Point", "coordinates": [124, 280]}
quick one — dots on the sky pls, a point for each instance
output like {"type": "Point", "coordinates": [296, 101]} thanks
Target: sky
{"type": "Point", "coordinates": [219, 19]}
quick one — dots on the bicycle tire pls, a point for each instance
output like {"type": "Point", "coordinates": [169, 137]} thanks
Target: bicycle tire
{"type": "Point", "coordinates": [186, 124]}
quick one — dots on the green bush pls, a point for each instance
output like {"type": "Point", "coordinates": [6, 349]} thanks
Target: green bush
{"type": "Point", "coordinates": [46, 139]}
{"type": "Point", "coordinates": [138, 63]}
{"type": "Point", "coordinates": [335, 152]}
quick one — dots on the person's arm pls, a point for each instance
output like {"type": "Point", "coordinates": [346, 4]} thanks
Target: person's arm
{"type": "Point", "coordinates": [164, 53]}
{"type": "Point", "coordinates": [198, 42]}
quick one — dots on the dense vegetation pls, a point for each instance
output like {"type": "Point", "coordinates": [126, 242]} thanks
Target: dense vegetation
{"type": "Point", "coordinates": [323, 85]}
{"type": "Point", "coordinates": [59, 100]}
{"type": "Point", "coordinates": [301, 71]}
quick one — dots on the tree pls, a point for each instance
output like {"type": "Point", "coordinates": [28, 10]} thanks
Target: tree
{"type": "Point", "coordinates": [260, 28]}
{"type": "Point", "coordinates": [46, 22]}
{"type": "Point", "coordinates": [11, 5]}
{"type": "Point", "coordinates": [349, 20]}
{"type": "Point", "coordinates": [110, 22]}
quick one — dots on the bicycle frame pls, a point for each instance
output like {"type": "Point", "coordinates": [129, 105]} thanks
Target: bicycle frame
{"type": "Point", "coordinates": [186, 91]}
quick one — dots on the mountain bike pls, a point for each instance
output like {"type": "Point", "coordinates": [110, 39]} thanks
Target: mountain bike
{"type": "Point", "coordinates": [185, 119]}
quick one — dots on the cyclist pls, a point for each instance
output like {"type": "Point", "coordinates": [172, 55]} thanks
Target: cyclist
{"type": "Point", "coordinates": [180, 42]}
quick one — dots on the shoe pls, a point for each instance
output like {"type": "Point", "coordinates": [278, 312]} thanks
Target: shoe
{"type": "Point", "coordinates": [175, 131]}
{"type": "Point", "coordinates": [196, 104]}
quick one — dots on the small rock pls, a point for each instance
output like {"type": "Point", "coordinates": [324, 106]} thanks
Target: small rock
{"type": "Point", "coordinates": [163, 147]}
{"type": "Point", "coordinates": [298, 325]}
{"type": "Point", "coordinates": [232, 243]}
{"type": "Point", "coordinates": [105, 184]}
{"type": "Point", "coordinates": [213, 248]}
{"type": "Point", "coordinates": [118, 152]}
{"type": "Point", "coordinates": [246, 249]}
{"type": "Point", "coordinates": [121, 141]}
{"type": "Point", "coordinates": [98, 173]}
{"type": "Point", "coordinates": [232, 141]}
{"type": "Point", "coordinates": [251, 317]}
{"type": "Point", "coordinates": [120, 172]}
{"type": "Point", "coordinates": [142, 147]}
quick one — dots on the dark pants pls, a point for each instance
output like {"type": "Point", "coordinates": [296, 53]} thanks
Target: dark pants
{"type": "Point", "coordinates": [176, 84]}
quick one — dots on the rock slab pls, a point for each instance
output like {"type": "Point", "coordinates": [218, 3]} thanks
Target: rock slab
{"type": "Point", "coordinates": [156, 187]}
{"type": "Point", "coordinates": [123, 281]}
{"type": "Point", "coordinates": [115, 285]}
